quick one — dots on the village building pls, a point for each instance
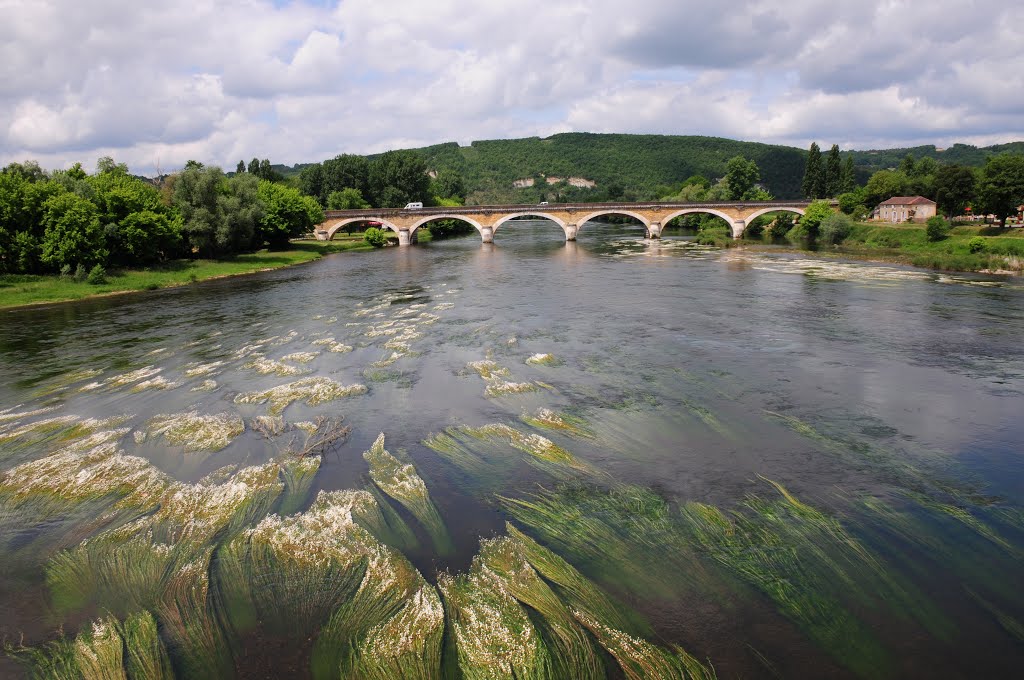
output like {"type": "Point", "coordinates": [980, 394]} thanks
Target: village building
{"type": "Point", "coordinates": [905, 209]}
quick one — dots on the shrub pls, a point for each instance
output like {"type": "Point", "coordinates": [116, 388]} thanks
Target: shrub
{"type": "Point", "coordinates": [976, 244]}
{"type": "Point", "coordinates": [81, 273]}
{"type": "Point", "coordinates": [97, 275]}
{"type": "Point", "coordinates": [936, 228]}
{"type": "Point", "coordinates": [65, 272]}
{"type": "Point", "coordinates": [375, 237]}
{"type": "Point", "coordinates": [835, 228]}
{"type": "Point", "coordinates": [816, 213]}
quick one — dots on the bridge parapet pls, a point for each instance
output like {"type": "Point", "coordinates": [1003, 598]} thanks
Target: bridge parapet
{"type": "Point", "coordinates": [571, 217]}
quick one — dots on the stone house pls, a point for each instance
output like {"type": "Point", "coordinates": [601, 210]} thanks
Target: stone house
{"type": "Point", "coordinates": [906, 209]}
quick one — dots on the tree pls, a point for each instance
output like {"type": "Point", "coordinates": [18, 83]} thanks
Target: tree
{"type": "Point", "coordinates": [835, 228]}
{"type": "Point", "coordinates": [397, 177]}
{"type": "Point", "coordinates": [286, 213]}
{"type": "Point", "coordinates": [814, 174]}
{"type": "Point", "coordinates": [347, 199]}
{"type": "Point", "coordinates": [197, 199]}
{"type": "Point", "coordinates": [311, 181]}
{"type": "Point", "coordinates": [1001, 188]}
{"type": "Point", "coordinates": [240, 168]}
{"type": "Point", "coordinates": [375, 237]}
{"type": "Point", "coordinates": [23, 194]}
{"type": "Point", "coordinates": [816, 213]}
{"type": "Point", "coordinates": [346, 171]}
{"type": "Point", "coordinates": [146, 237]}
{"type": "Point", "coordinates": [907, 165]}
{"type": "Point", "coordinates": [242, 211]}
{"type": "Point", "coordinates": [72, 234]}
{"type": "Point", "coordinates": [193, 165]}
{"type": "Point", "coordinates": [853, 202]}
{"type": "Point", "coordinates": [266, 172]}
{"type": "Point", "coordinates": [29, 170]}
{"type": "Point", "coordinates": [955, 187]}
{"type": "Point", "coordinates": [107, 164]}
{"type": "Point", "coordinates": [847, 177]}
{"type": "Point", "coordinates": [128, 207]}
{"type": "Point", "coordinates": [449, 184]}
{"type": "Point", "coordinates": [254, 167]}
{"type": "Point", "coordinates": [885, 184]}
{"type": "Point", "coordinates": [936, 228]}
{"type": "Point", "coordinates": [833, 173]}
{"type": "Point", "coordinates": [741, 176]}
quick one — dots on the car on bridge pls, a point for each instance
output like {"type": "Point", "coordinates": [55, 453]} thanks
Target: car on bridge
{"type": "Point", "coordinates": [414, 206]}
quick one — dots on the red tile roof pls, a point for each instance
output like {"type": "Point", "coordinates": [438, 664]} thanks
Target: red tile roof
{"type": "Point", "coordinates": [907, 200]}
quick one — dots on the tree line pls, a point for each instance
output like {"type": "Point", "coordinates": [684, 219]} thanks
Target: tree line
{"type": "Point", "coordinates": [996, 188]}
{"type": "Point", "coordinates": [68, 221]}
{"type": "Point", "coordinates": [390, 180]}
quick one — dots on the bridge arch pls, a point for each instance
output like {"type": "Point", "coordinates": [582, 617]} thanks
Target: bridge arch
{"type": "Point", "coordinates": [764, 211]}
{"type": "Point", "coordinates": [332, 227]}
{"type": "Point", "coordinates": [446, 216]}
{"type": "Point", "coordinates": [616, 211]}
{"type": "Point", "coordinates": [541, 215]}
{"type": "Point", "coordinates": [690, 211]}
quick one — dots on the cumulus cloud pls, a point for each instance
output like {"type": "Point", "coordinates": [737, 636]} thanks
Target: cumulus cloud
{"type": "Point", "coordinates": [303, 80]}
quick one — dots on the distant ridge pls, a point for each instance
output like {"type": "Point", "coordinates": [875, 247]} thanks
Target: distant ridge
{"type": "Point", "coordinates": [642, 166]}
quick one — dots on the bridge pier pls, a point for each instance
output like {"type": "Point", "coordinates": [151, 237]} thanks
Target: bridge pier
{"type": "Point", "coordinates": [487, 235]}
{"type": "Point", "coordinates": [404, 238]}
{"type": "Point", "coordinates": [737, 228]}
{"type": "Point", "coordinates": [570, 232]}
{"type": "Point", "coordinates": [654, 230]}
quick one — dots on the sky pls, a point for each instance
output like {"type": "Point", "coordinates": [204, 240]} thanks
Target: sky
{"type": "Point", "coordinates": [156, 84]}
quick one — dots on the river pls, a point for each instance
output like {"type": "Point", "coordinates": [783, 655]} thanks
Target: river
{"type": "Point", "coordinates": [785, 465]}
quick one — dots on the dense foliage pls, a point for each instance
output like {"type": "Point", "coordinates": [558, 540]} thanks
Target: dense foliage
{"type": "Point", "coordinates": [69, 221]}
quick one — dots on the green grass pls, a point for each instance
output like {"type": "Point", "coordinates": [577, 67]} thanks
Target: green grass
{"type": "Point", "coordinates": [21, 290]}
{"type": "Point", "coordinates": [1003, 249]}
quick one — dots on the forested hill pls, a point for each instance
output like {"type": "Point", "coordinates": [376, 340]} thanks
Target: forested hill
{"type": "Point", "coordinates": [644, 167]}
{"type": "Point", "coordinates": [634, 164]}
{"type": "Point", "coordinates": [961, 154]}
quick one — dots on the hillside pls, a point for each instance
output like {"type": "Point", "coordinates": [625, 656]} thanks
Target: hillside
{"type": "Point", "coordinates": [633, 164]}
{"type": "Point", "coordinates": [961, 154]}
{"type": "Point", "coordinates": [634, 167]}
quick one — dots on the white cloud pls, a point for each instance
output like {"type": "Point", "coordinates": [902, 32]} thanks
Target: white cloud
{"type": "Point", "coordinates": [301, 81]}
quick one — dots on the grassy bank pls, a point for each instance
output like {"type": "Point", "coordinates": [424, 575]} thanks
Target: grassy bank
{"type": "Point", "coordinates": [965, 248]}
{"type": "Point", "coordinates": [20, 290]}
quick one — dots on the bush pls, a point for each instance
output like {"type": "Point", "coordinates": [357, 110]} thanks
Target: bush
{"type": "Point", "coordinates": [976, 244]}
{"type": "Point", "coordinates": [835, 228]}
{"type": "Point", "coordinates": [81, 273]}
{"type": "Point", "coordinates": [816, 213]}
{"type": "Point", "coordinates": [65, 272]}
{"type": "Point", "coordinates": [97, 276]}
{"type": "Point", "coordinates": [375, 237]}
{"type": "Point", "coordinates": [936, 228]}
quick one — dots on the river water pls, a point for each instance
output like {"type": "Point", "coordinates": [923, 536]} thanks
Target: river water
{"type": "Point", "coordinates": [785, 465]}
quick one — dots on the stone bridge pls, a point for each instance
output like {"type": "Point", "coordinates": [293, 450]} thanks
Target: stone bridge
{"type": "Point", "coordinates": [571, 217]}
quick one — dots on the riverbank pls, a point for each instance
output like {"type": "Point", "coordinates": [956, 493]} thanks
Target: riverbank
{"type": "Point", "coordinates": [27, 290]}
{"type": "Point", "coordinates": [968, 248]}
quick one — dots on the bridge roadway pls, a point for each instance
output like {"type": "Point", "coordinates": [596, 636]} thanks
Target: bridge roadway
{"type": "Point", "coordinates": [571, 217]}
